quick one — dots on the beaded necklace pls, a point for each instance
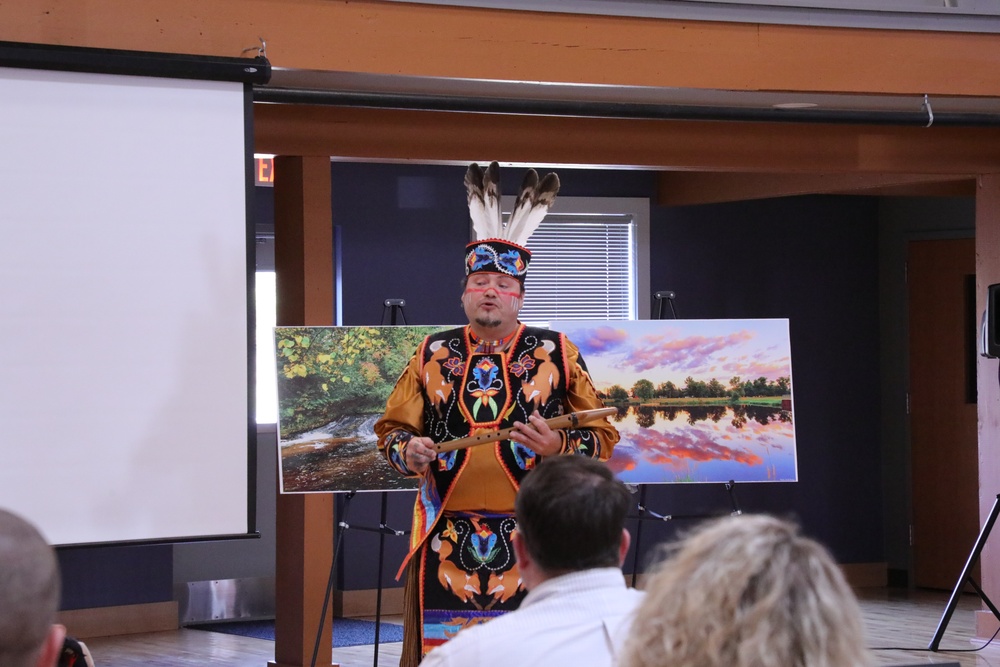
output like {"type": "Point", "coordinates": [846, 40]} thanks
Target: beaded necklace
{"type": "Point", "coordinates": [484, 346]}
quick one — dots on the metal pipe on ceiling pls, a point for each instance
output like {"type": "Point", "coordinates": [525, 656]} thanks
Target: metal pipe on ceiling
{"type": "Point", "coordinates": [601, 109]}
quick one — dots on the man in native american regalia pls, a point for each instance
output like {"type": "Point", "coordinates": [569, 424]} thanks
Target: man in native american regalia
{"type": "Point", "coordinates": [495, 373]}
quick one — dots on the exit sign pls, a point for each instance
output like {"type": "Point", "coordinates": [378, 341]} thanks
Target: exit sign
{"type": "Point", "coordinates": [263, 171]}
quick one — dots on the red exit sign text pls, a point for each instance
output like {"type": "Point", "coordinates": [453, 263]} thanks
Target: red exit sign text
{"type": "Point", "coordinates": [264, 171]}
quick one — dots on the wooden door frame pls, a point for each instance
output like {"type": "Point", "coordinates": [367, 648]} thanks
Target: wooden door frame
{"type": "Point", "coordinates": [909, 239]}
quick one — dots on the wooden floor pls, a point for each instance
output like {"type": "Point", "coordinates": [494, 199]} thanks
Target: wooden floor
{"type": "Point", "coordinates": [899, 624]}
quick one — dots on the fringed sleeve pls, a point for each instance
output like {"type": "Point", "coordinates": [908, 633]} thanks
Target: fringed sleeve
{"type": "Point", "coordinates": [403, 418]}
{"type": "Point", "coordinates": [598, 438]}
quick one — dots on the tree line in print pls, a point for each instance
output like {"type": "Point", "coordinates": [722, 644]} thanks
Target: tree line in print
{"type": "Point", "coordinates": [737, 389]}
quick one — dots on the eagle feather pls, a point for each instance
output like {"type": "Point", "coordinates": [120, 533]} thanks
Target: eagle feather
{"type": "Point", "coordinates": [483, 190]}
{"type": "Point", "coordinates": [532, 205]}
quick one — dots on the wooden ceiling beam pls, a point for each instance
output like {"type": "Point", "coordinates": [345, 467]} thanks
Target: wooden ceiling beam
{"type": "Point", "coordinates": [962, 188]}
{"type": "Point", "coordinates": [385, 134]}
{"type": "Point", "coordinates": [408, 39]}
{"type": "Point", "coordinates": [687, 188]}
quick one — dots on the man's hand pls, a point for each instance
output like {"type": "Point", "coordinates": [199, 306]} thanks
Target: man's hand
{"type": "Point", "coordinates": [537, 436]}
{"type": "Point", "coordinates": [419, 454]}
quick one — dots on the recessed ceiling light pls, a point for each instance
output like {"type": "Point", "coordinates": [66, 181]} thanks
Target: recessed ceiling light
{"type": "Point", "coordinates": [795, 105]}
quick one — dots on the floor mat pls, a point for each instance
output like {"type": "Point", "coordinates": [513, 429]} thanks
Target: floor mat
{"type": "Point", "coordinates": [346, 631]}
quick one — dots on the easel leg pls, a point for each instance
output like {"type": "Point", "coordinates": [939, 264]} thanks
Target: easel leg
{"type": "Point", "coordinates": [982, 594]}
{"type": "Point", "coordinates": [381, 560]}
{"type": "Point", "coordinates": [338, 543]}
{"type": "Point", "coordinates": [731, 488]}
{"type": "Point", "coordinates": [644, 511]}
{"type": "Point", "coordinates": [966, 576]}
{"type": "Point", "coordinates": [638, 535]}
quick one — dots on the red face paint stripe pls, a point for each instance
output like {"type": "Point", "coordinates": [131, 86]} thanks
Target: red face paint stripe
{"type": "Point", "coordinates": [477, 290]}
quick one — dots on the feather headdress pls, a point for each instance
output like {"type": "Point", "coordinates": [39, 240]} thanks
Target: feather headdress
{"type": "Point", "coordinates": [533, 202]}
{"type": "Point", "coordinates": [499, 247]}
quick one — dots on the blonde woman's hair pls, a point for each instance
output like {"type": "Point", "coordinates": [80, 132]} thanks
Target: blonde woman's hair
{"type": "Point", "coordinates": [747, 591]}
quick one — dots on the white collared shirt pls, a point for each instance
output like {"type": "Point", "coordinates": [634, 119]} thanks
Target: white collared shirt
{"type": "Point", "coordinates": [576, 619]}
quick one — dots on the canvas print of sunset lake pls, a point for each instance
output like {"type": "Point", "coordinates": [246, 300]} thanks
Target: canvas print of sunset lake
{"type": "Point", "coordinates": [698, 400]}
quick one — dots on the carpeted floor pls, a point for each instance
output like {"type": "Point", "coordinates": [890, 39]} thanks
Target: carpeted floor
{"type": "Point", "coordinates": [346, 631]}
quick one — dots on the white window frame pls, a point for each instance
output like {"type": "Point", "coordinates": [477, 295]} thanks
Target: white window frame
{"type": "Point", "coordinates": [265, 303]}
{"type": "Point", "coordinates": [636, 208]}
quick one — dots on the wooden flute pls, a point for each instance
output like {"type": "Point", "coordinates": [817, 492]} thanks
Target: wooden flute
{"type": "Point", "coordinates": [573, 419]}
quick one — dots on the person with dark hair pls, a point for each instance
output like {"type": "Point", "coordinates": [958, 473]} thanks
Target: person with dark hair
{"type": "Point", "coordinates": [29, 596]}
{"type": "Point", "coordinates": [494, 374]}
{"type": "Point", "coordinates": [570, 543]}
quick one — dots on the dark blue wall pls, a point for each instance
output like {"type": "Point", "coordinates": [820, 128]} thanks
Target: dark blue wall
{"type": "Point", "coordinates": [403, 230]}
{"type": "Point", "coordinates": [111, 576]}
{"type": "Point", "coordinates": [403, 233]}
{"type": "Point", "coordinates": [812, 260]}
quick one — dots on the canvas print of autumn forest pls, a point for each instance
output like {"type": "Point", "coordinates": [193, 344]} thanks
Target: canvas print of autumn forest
{"type": "Point", "coordinates": [698, 400]}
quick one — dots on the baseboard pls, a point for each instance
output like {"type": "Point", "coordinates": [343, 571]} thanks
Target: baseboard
{"type": "Point", "coordinates": [986, 624]}
{"type": "Point", "coordinates": [362, 603]}
{"type": "Point", "coordinates": [898, 578]}
{"type": "Point", "coordinates": [121, 620]}
{"type": "Point", "coordinates": [866, 575]}
{"type": "Point", "coordinates": [354, 604]}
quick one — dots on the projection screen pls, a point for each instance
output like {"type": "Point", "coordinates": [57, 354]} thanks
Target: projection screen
{"type": "Point", "coordinates": [125, 318]}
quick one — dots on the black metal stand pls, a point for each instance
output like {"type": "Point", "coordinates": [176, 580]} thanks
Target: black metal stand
{"type": "Point", "coordinates": [646, 514]}
{"type": "Point", "coordinates": [342, 527]}
{"type": "Point", "coordinates": [668, 296]}
{"type": "Point", "coordinates": [382, 531]}
{"type": "Point", "coordinates": [966, 576]}
{"type": "Point", "coordinates": [394, 307]}
{"type": "Point", "coordinates": [338, 534]}
{"type": "Point", "coordinates": [659, 297]}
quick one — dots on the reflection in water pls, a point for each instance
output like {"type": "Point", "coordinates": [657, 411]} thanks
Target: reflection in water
{"type": "Point", "coordinates": [645, 416]}
{"type": "Point", "coordinates": [622, 413]}
{"type": "Point", "coordinates": [704, 443]}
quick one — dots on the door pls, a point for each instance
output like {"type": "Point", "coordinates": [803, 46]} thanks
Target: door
{"type": "Point", "coordinates": [942, 406]}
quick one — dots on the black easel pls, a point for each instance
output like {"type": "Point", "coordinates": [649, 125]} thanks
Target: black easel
{"type": "Point", "coordinates": [395, 308]}
{"type": "Point", "coordinates": [660, 297]}
{"type": "Point", "coordinates": [669, 296]}
{"type": "Point", "coordinates": [646, 514]}
{"type": "Point", "coordinates": [337, 543]}
{"type": "Point", "coordinates": [966, 576]}
{"type": "Point", "coordinates": [382, 529]}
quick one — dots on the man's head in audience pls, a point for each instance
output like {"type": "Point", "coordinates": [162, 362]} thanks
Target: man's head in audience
{"type": "Point", "coordinates": [570, 517]}
{"type": "Point", "coordinates": [29, 596]}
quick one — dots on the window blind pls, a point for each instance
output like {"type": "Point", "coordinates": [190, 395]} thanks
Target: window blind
{"type": "Point", "coordinates": [582, 267]}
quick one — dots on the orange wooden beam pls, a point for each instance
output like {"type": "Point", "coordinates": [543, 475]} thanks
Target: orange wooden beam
{"type": "Point", "coordinates": [657, 144]}
{"type": "Point", "coordinates": [369, 36]}
{"type": "Point", "coordinates": [304, 522]}
{"type": "Point", "coordinates": [681, 188]}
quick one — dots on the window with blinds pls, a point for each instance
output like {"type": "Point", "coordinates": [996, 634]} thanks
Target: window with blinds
{"type": "Point", "coordinates": [582, 268]}
{"type": "Point", "coordinates": [589, 261]}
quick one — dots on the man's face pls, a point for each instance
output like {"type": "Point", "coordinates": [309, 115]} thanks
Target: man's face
{"type": "Point", "coordinates": [492, 301]}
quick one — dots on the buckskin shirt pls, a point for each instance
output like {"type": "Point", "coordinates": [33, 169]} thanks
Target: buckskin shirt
{"type": "Point", "coordinates": [453, 387]}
